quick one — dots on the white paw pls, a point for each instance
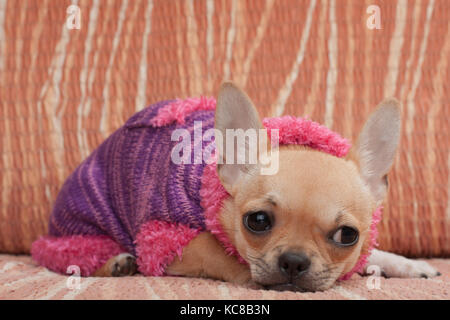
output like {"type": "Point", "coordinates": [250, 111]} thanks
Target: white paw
{"type": "Point", "coordinates": [395, 266]}
{"type": "Point", "coordinates": [410, 269]}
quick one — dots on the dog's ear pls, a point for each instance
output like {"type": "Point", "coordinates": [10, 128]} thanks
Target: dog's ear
{"type": "Point", "coordinates": [376, 146]}
{"type": "Point", "coordinates": [235, 111]}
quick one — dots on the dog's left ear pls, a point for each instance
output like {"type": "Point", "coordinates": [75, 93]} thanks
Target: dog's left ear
{"type": "Point", "coordinates": [235, 111]}
{"type": "Point", "coordinates": [376, 147]}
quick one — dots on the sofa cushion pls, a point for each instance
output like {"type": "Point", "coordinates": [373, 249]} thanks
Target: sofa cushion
{"type": "Point", "coordinates": [64, 91]}
{"type": "Point", "coordinates": [20, 278]}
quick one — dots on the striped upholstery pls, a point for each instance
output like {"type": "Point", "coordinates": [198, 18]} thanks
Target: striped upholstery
{"type": "Point", "coordinates": [20, 278]}
{"type": "Point", "coordinates": [64, 91]}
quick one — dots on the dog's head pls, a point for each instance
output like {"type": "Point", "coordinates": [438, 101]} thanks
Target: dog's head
{"type": "Point", "coordinates": [306, 225]}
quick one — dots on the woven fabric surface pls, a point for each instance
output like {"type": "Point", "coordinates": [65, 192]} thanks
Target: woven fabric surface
{"type": "Point", "coordinates": [63, 91]}
{"type": "Point", "coordinates": [20, 278]}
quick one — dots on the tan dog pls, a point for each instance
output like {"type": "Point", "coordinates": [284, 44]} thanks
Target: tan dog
{"type": "Point", "coordinates": [306, 226]}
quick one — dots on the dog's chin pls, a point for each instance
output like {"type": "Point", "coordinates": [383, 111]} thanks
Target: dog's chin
{"type": "Point", "coordinates": [285, 287]}
{"type": "Point", "coordinates": [288, 286]}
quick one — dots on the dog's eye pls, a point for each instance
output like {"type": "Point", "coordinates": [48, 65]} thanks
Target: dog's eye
{"type": "Point", "coordinates": [345, 236]}
{"type": "Point", "coordinates": [258, 222]}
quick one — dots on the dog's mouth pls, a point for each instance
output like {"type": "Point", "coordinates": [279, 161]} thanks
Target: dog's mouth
{"type": "Point", "coordinates": [297, 287]}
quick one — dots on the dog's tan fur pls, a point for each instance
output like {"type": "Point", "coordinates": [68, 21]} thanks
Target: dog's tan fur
{"type": "Point", "coordinates": [311, 195]}
{"type": "Point", "coordinates": [204, 257]}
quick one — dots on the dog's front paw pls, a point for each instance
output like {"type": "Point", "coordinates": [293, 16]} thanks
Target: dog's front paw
{"type": "Point", "coordinates": [395, 266]}
{"type": "Point", "coordinates": [123, 264]}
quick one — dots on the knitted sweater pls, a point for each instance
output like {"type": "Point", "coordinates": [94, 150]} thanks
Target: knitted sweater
{"type": "Point", "coordinates": [129, 194]}
{"type": "Point", "coordinates": [130, 179]}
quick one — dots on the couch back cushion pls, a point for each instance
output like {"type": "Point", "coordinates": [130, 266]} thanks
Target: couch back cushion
{"type": "Point", "coordinates": [63, 91]}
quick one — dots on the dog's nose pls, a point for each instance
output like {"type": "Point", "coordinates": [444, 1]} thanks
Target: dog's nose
{"type": "Point", "coordinates": [293, 264]}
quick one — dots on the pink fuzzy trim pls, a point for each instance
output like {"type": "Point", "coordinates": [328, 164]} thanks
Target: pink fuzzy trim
{"type": "Point", "coordinates": [359, 267]}
{"type": "Point", "coordinates": [212, 195]}
{"type": "Point", "coordinates": [179, 109]}
{"type": "Point", "coordinates": [89, 253]}
{"type": "Point", "coordinates": [305, 132]}
{"type": "Point", "coordinates": [158, 243]}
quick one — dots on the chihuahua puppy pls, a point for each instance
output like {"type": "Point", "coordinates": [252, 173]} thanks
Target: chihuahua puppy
{"type": "Point", "coordinates": [302, 228]}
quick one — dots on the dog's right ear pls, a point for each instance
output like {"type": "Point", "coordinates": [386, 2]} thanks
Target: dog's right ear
{"type": "Point", "coordinates": [376, 147]}
{"type": "Point", "coordinates": [235, 111]}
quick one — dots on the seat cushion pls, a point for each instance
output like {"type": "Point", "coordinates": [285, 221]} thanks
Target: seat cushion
{"type": "Point", "coordinates": [20, 278]}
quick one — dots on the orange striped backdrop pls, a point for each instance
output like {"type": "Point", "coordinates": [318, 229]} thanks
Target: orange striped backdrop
{"type": "Point", "coordinates": [63, 91]}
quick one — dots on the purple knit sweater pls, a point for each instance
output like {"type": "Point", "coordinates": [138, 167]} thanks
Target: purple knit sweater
{"type": "Point", "coordinates": [130, 179]}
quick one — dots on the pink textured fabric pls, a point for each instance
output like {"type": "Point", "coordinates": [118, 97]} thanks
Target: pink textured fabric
{"type": "Point", "coordinates": [180, 108]}
{"type": "Point", "coordinates": [20, 278]}
{"type": "Point", "coordinates": [158, 243]}
{"type": "Point", "coordinates": [213, 194]}
{"type": "Point", "coordinates": [305, 132]}
{"type": "Point", "coordinates": [87, 252]}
